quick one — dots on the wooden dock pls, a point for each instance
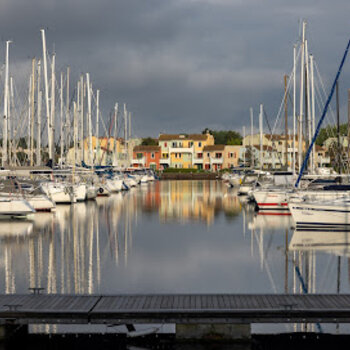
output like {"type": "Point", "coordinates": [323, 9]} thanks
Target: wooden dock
{"type": "Point", "coordinates": [178, 309]}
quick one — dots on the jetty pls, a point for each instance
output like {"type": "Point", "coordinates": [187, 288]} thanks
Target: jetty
{"type": "Point", "coordinates": [195, 315]}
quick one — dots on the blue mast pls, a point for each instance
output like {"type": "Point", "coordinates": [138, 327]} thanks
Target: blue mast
{"type": "Point", "coordinates": [323, 116]}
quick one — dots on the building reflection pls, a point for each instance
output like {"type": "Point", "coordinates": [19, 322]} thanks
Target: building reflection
{"type": "Point", "coordinates": [185, 201]}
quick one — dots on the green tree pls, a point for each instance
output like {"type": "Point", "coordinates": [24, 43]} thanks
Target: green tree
{"type": "Point", "coordinates": [149, 141]}
{"type": "Point", "coordinates": [225, 137]}
{"type": "Point", "coordinates": [331, 131]}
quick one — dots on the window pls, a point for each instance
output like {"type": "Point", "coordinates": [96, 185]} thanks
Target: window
{"type": "Point", "coordinates": [199, 144]}
{"type": "Point", "coordinates": [200, 155]}
{"type": "Point", "coordinates": [139, 155]}
{"type": "Point", "coordinates": [218, 155]}
{"type": "Point", "coordinates": [208, 154]}
{"type": "Point", "coordinates": [165, 144]}
{"type": "Point", "coordinates": [174, 144]}
{"type": "Point", "coordinates": [152, 155]}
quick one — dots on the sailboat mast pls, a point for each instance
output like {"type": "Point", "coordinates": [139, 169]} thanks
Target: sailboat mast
{"type": "Point", "coordinates": [301, 102]}
{"type": "Point", "coordinates": [38, 141]}
{"type": "Point", "coordinates": [82, 155]}
{"type": "Point", "coordinates": [61, 120]}
{"type": "Point", "coordinates": [261, 136]}
{"type": "Point", "coordinates": [251, 138]}
{"type": "Point", "coordinates": [312, 108]}
{"type": "Point", "coordinates": [67, 123]}
{"type": "Point", "coordinates": [286, 120]}
{"type": "Point", "coordinates": [294, 105]}
{"type": "Point", "coordinates": [97, 125]}
{"type": "Point", "coordinates": [125, 133]}
{"type": "Point", "coordinates": [48, 118]}
{"type": "Point", "coordinates": [32, 112]}
{"type": "Point", "coordinates": [308, 103]}
{"type": "Point", "coordinates": [5, 127]}
{"type": "Point", "coordinates": [9, 121]}
{"type": "Point", "coordinates": [115, 131]}
{"type": "Point", "coordinates": [89, 117]}
{"type": "Point", "coordinates": [52, 119]}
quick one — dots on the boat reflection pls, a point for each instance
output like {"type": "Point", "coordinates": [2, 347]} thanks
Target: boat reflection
{"type": "Point", "coordinates": [332, 242]}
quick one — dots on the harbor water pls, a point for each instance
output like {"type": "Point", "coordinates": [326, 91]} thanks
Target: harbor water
{"type": "Point", "coordinates": [171, 237]}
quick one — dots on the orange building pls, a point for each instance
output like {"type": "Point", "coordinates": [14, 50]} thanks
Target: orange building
{"type": "Point", "coordinates": [146, 157]}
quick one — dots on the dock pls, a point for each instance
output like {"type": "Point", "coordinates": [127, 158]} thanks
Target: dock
{"type": "Point", "coordinates": [184, 310]}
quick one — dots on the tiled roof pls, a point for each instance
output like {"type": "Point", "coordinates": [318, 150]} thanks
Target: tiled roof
{"type": "Point", "coordinates": [194, 137]}
{"type": "Point", "coordinates": [214, 148]}
{"type": "Point", "coordinates": [149, 148]}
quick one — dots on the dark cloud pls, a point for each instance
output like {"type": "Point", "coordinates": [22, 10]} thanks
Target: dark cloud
{"type": "Point", "coordinates": [180, 65]}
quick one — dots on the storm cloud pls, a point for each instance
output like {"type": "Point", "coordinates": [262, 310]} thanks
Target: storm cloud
{"type": "Point", "coordinates": [180, 65]}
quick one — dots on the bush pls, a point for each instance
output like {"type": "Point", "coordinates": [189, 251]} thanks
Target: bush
{"type": "Point", "coordinates": [182, 170]}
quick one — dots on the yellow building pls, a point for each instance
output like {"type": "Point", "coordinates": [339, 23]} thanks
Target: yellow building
{"type": "Point", "coordinates": [183, 151]}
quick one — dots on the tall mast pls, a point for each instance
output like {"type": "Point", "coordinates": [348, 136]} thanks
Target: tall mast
{"type": "Point", "coordinates": [67, 123]}
{"type": "Point", "coordinates": [243, 132]}
{"type": "Point", "coordinates": [286, 120]}
{"type": "Point", "coordinates": [251, 138]}
{"type": "Point", "coordinates": [261, 135]}
{"type": "Point", "coordinates": [29, 115]}
{"type": "Point", "coordinates": [89, 117]}
{"type": "Point", "coordinates": [49, 141]}
{"type": "Point", "coordinates": [32, 112]}
{"type": "Point", "coordinates": [294, 105]}
{"type": "Point", "coordinates": [52, 119]}
{"type": "Point", "coordinates": [312, 108]}
{"type": "Point", "coordinates": [38, 138]}
{"type": "Point", "coordinates": [75, 133]}
{"type": "Point", "coordinates": [125, 133]}
{"type": "Point", "coordinates": [82, 155]}
{"type": "Point", "coordinates": [9, 121]}
{"type": "Point", "coordinates": [308, 102]}
{"type": "Point", "coordinates": [301, 103]}
{"type": "Point", "coordinates": [5, 127]}
{"type": "Point", "coordinates": [348, 125]}
{"type": "Point", "coordinates": [115, 130]}
{"type": "Point", "coordinates": [97, 125]}
{"type": "Point", "coordinates": [129, 138]}
{"type": "Point", "coordinates": [61, 120]}
{"type": "Point", "coordinates": [339, 149]}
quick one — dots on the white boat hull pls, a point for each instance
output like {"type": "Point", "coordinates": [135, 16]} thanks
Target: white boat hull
{"type": "Point", "coordinates": [320, 215]}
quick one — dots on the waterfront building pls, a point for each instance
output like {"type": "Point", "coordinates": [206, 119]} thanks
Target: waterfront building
{"type": "Point", "coordinates": [146, 157]}
{"type": "Point", "coordinates": [183, 151]}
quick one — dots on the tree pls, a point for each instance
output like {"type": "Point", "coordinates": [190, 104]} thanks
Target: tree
{"type": "Point", "coordinates": [225, 137]}
{"type": "Point", "coordinates": [331, 131]}
{"type": "Point", "coordinates": [149, 141]}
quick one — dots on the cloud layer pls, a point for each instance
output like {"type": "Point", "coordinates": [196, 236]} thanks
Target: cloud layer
{"type": "Point", "coordinates": [180, 65]}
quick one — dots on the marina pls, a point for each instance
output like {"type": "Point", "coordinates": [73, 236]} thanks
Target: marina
{"type": "Point", "coordinates": [192, 191]}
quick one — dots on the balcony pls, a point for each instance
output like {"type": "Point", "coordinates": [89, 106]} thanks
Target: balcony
{"type": "Point", "coordinates": [197, 161]}
{"type": "Point", "coordinates": [181, 150]}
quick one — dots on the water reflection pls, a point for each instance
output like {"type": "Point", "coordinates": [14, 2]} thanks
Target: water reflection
{"type": "Point", "coordinates": [172, 236]}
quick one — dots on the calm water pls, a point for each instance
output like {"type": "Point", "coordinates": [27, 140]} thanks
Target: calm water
{"type": "Point", "coordinates": [170, 237]}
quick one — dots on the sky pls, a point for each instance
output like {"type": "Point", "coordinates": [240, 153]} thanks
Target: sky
{"type": "Point", "coordinates": [180, 65]}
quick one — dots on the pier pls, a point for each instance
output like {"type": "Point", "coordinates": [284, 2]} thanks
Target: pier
{"type": "Point", "coordinates": [229, 315]}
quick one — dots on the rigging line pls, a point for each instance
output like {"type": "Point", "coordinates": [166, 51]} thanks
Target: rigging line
{"type": "Point", "coordinates": [274, 147]}
{"type": "Point", "coordinates": [323, 114]}
{"type": "Point", "coordinates": [324, 90]}
{"type": "Point", "coordinates": [284, 95]}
